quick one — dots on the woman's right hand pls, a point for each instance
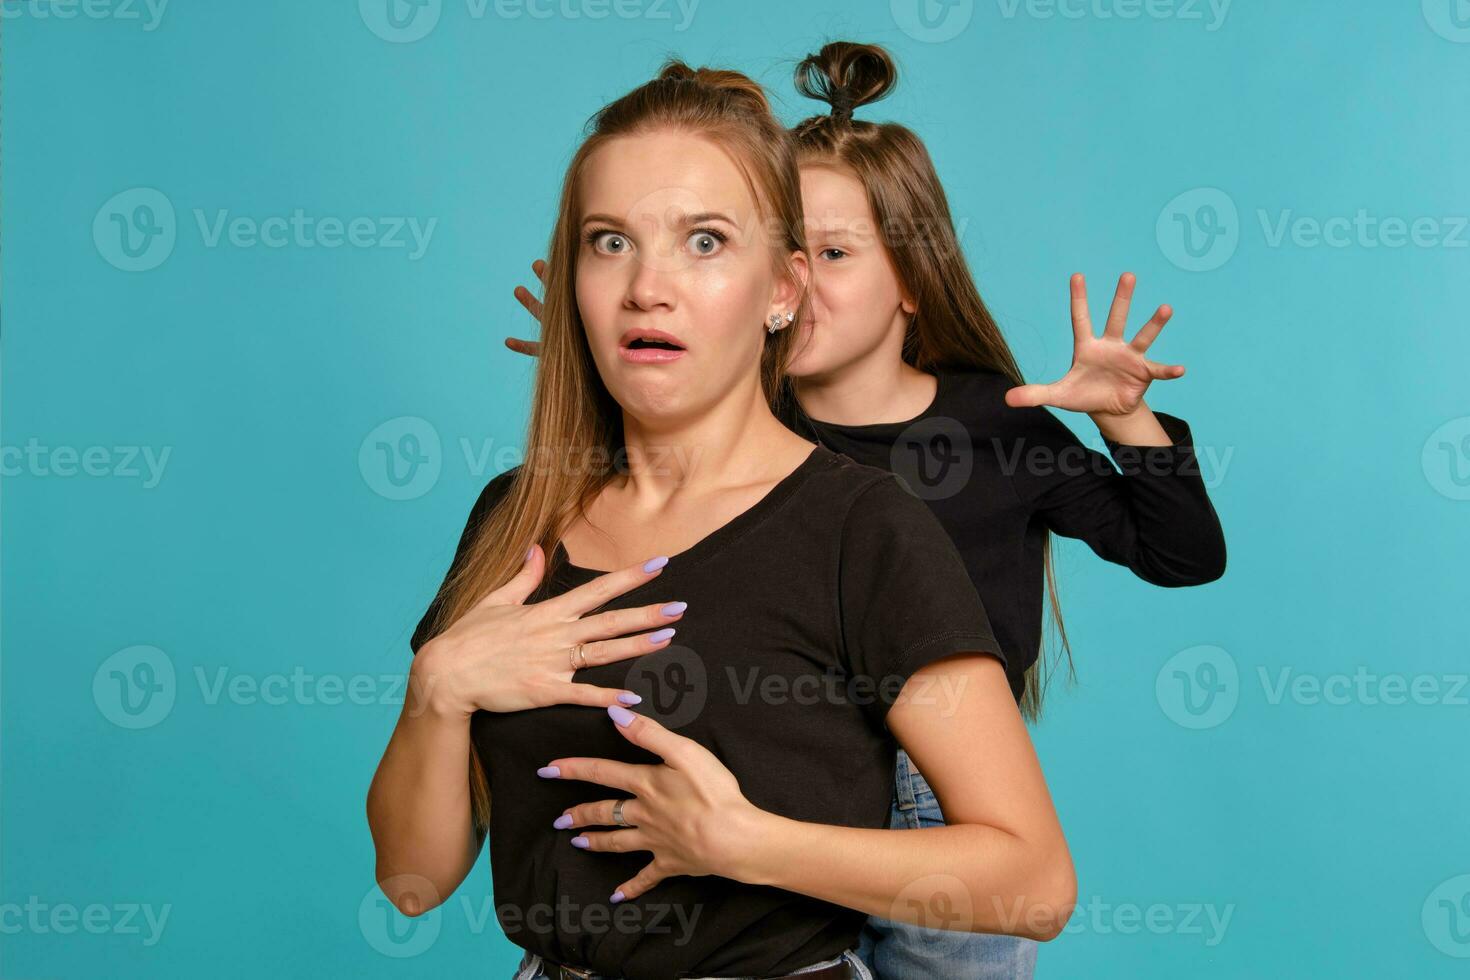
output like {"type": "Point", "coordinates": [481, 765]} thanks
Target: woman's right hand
{"type": "Point", "coordinates": [533, 306]}
{"type": "Point", "coordinates": [507, 655]}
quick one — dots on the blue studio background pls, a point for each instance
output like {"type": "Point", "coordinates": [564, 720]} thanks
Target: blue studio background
{"type": "Point", "coordinates": [257, 265]}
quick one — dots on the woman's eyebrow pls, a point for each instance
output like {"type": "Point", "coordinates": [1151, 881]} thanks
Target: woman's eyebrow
{"type": "Point", "coordinates": [697, 218]}
{"type": "Point", "coordinates": [703, 217]}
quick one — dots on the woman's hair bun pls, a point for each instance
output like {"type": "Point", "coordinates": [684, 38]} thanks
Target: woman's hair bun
{"type": "Point", "coordinates": [846, 75]}
{"type": "Point", "coordinates": [734, 83]}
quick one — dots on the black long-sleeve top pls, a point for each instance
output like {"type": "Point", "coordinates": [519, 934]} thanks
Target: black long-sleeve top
{"type": "Point", "coordinates": [999, 477]}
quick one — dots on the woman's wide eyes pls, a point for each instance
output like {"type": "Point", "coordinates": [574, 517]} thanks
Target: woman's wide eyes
{"type": "Point", "coordinates": [833, 254]}
{"type": "Point", "coordinates": [613, 243]}
{"type": "Point", "coordinates": [610, 242]}
{"type": "Point", "coordinates": [704, 243]}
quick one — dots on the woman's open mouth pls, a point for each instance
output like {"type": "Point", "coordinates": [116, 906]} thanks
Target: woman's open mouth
{"type": "Point", "coordinates": [649, 347]}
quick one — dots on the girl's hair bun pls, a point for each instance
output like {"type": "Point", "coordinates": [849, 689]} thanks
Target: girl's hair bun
{"type": "Point", "coordinates": [846, 75]}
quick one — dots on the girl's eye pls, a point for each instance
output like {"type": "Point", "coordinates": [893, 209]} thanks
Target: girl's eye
{"type": "Point", "coordinates": [608, 242]}
{"type": "Point", "coordinates": [706, 242]}
{"type": "Point", "coordinates": [833, 254]}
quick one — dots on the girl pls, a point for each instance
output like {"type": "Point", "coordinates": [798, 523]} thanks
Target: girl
{"type": "Point", "coordinates": [821, 612]}
{"type": "Point", "coordinates": [901, 366]}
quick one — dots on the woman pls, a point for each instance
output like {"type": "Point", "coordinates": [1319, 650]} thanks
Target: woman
{"type": "Point", "coordinates": [822, 615]}
{"type": "Point", "coordinates": [901, 366]}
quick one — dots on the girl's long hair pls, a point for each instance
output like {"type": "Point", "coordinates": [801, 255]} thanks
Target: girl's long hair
{"type": "Point", "coordinates": [951, 328]}
{"type": "Point", "coordinates": [575, 438]}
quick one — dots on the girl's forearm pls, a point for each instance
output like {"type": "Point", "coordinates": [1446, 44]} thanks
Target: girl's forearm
{"type": "Point", "coordinates": [961, 877]}
{"type": "Point", "coordinates": [1139, 427]}
{"type": "Point", "coordinates": [419, 808]}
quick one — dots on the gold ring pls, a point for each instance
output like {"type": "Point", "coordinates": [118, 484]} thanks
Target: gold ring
{"type": "Point", "coordinates": [578, 654]}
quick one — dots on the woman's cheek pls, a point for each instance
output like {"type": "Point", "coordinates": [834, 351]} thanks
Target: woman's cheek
{"type": "Point", "coordinates": [725, 299]}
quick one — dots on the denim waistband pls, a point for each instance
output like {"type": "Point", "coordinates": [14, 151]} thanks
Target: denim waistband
{"type": "Point", "coordinates": [532, 968]}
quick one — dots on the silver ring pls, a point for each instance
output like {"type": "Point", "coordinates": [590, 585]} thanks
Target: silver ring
{"type": "Point", "coordinates": [618, 814]}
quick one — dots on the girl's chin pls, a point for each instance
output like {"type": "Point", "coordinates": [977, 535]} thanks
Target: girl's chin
{"type": "Point", "coordinates": [803, 365]}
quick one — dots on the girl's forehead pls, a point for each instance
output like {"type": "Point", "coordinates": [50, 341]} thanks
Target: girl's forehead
{"type": "Point", "coordinates": [834, 201]}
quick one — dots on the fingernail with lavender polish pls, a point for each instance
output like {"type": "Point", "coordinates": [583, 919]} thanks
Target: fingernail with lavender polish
{"type": "Point", "coordinates": [562, 822]}
{"type": "Point", "coordinates": [674, 608]}
{"type": "Point", "coordinates": [658, 636]}
{"type": "Point", "coordinates": [580, 841]}
{"type": "Point", "coordinates": [622, 716]}
{"type": "Point", "coordinates": [618, 896]}
{"type": "Point", "coordinates": [549, 772]}
{"type": "Point", "coordinates": [654, 564]}
{"type": "Point", "coordinates": [627, 697]}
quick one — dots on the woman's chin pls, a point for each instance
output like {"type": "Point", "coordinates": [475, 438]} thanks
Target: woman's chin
{"type": "Point", "coordinates": [653, 402]}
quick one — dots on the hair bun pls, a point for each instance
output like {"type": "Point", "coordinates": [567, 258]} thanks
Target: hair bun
{"type": "Point", "coordinates": [846, 75]}
{"type": "Point", "coordinates": [734, 83]}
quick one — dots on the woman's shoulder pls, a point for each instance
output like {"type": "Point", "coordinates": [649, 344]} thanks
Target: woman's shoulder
{"type": "Point", "coordinates": [843, 488]}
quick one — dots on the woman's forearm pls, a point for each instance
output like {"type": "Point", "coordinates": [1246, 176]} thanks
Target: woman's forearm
{"type": "Point", "coordinates": [962, 877]}
{"type": "Point", "coordinates": [418, 807]}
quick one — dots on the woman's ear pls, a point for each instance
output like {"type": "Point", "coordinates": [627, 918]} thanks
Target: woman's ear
{"type": "Point", "coordinates": [790, 289]}
{"type": "Point", "coordinates": [907, 304]}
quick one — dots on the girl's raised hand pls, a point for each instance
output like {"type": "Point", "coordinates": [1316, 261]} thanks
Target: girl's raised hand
{"type": "Point", "coordinates": [1108, 375]}
{"type": "Point", "coordinates": [687, 811]}
{"type": "Point", "coordinates": [533, 306]}
{"type": "Point", "coordinates": [506, 655]}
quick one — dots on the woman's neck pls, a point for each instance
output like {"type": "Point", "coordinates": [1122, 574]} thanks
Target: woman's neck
{"type": "Point", "coordinates": [737, 442]}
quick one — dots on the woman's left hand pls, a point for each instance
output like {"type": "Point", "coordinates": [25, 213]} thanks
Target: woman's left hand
{"type": "Point", "coordinates": [1108, 375]}
{"type": "Point", "coordinates": [688, 811]}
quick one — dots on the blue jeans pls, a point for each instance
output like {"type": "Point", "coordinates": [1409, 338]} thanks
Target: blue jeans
{"type": "Point", "coordinates": [532, 969]}
{"type": "Point", "coordinates": [898, 951]}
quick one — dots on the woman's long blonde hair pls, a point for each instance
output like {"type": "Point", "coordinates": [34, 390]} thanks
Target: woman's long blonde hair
{"type": "Point", "coordinates": [951, 327]}
{"type": "Point", "coordinates": [575, 431]}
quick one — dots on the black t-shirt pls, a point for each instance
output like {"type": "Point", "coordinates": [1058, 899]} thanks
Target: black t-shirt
{"type": "Point", "coordinates": [999, 477]}
{"type": "Point", "coordinates": [806, 614]}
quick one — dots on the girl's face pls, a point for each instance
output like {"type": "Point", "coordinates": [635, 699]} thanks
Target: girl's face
{"type": "Point", "coordinates": [856, 299]}
{"type": "Point", "coordinates": [675, 278]}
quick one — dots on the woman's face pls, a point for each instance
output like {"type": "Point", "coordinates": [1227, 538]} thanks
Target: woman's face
{"type": "Point", "coordinates": [856, 299]}
{"type": "Point", "coordinates": [675, 278]}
